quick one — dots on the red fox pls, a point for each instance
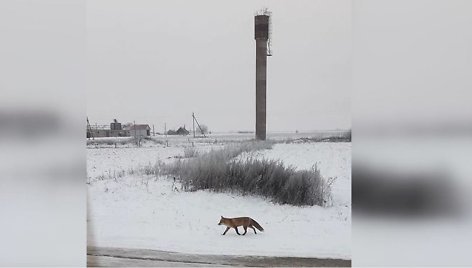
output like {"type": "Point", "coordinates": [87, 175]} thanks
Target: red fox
{"type": "Point", "coordinates": [245, 222]}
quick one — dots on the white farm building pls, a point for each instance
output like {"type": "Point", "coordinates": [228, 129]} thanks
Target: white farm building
{"type": "Point", "coordinates": [139, 130]}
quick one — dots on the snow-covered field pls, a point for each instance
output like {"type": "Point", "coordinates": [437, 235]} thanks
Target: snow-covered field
{"type": "Point", "coordinates": [144, 212]}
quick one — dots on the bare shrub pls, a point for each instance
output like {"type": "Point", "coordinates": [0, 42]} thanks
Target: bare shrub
{"type": "Point", "coordinates": [219, 171]}
{"type": "Point", "coordinates": [114, 141]}
{"type": "Point", "coordinates": [154, 140]}
{"type": "Point", "coordinates": [341, 136]}
{"type": "Point", "coordinates": [190, 152]}
{"type": "Point", "coordinates": [107, 142]}
{"type": "Point", "coordinates": [149, 169]}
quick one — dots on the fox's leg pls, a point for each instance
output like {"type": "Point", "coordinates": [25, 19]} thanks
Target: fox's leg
{"type": "Point", "coordinates": [253, 229]}
{"type": "Point", "coordinates": [245, 229]}
{"type": "Point", "coordinates": [236, 228]}
{"type": "Point", "coordinates": [227, 228]}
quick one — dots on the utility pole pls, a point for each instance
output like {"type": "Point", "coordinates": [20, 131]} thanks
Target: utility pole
{"type": "Point", "coordinates": [196, 121]}
{"type": "Point", "coordinates": [89, 129]}
{"type": "Point", "coordinates": [153, 133]}
{"type": "Point", "coordinates": [135, 136]}
{"type": "Point", "coordinates": [193, 122]}
{"type": "Point", "coordinates": [165, 131]}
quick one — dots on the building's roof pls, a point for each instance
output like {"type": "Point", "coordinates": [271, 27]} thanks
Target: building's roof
{"type": "Point", "coordinates": [139, 127]}
{"type": "Point", "coordinates": [182, 130]}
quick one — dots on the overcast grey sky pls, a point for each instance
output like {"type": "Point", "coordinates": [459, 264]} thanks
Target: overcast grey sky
{"type": "Point", "coordinates": [412, 62]}
{"type": "Point", "coordinates": [159, 61]}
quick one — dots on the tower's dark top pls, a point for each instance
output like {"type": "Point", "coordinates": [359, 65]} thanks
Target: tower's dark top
{"type": "Point", "coordinates": [261, 27]}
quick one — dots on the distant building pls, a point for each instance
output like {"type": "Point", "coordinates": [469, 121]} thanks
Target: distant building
{"type": "Point", "coordinates": [180, 131]}
{"type": "Point", "coordinates": [139, 130]}
{"type": "Point", "coordinates": [115, 125]}
{"type": "Point", "coordinates": [96, 132]}
{"type": "Point", "coordinates": [116, 129]}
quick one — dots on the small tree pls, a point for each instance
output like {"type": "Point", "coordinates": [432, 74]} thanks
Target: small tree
{"type": "Point", "coordinates": [202, 130]}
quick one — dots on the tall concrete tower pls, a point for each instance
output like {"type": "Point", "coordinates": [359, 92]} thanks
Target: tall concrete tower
{"type": "Point", "coordinates": [261, 34]}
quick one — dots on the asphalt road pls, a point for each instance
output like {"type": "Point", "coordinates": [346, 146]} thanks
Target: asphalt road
{"type": "Point", "coordinates": [120, 257]}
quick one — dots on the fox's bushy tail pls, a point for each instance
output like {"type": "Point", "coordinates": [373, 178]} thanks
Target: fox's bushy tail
{"type": "Point", "coordinates": [257, 225]}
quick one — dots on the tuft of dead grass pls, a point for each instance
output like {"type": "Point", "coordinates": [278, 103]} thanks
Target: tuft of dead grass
{"type": "Point", "coordinates": [220, 171]}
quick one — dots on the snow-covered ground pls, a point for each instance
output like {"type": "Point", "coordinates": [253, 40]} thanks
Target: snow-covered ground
{"type": "Point", "coordinates": [144, 212]}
